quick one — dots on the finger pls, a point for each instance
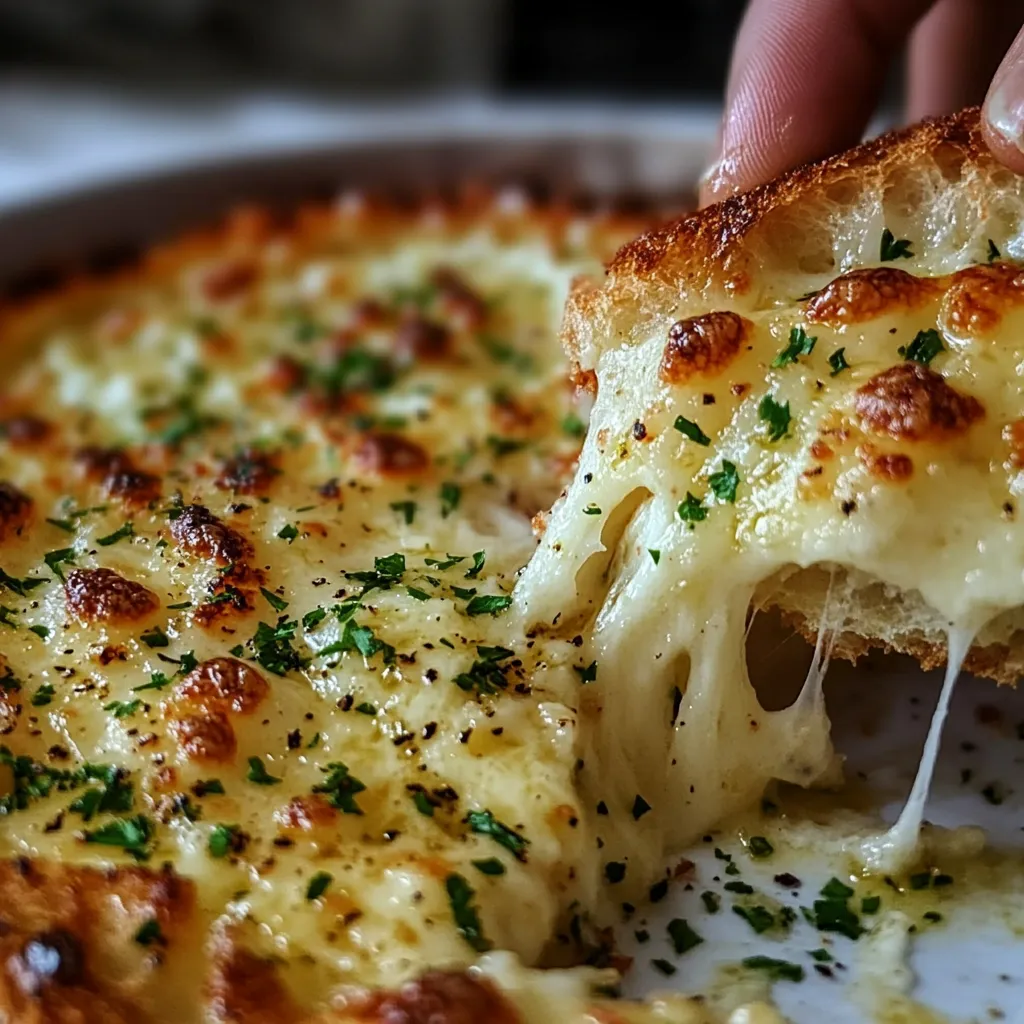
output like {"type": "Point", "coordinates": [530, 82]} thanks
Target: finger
{"type": "Point", "coordinates": [805, 78]}
{"type": "Point", "coordinates": [954, 52]}
{"type": "Point", "coordinates": [1004, 108]}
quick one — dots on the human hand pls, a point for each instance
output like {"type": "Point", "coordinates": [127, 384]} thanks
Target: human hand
{"type": "Point", "coordinates": [806, 77]}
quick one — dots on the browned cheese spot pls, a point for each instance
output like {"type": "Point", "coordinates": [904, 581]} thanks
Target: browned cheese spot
{"type": "Point", "coordinates": [15, 510]}
{"type": "Point", "coordinates": [67, 940]}
{"type": "Point", "coordinates": [199, 532]}
{"type": "Point", "coordinates": [228, 280]}
{"type": "Point", "coordinates": [246, 989]}
{"type": "Point", "coordinates": [862, 295]}
{"type": "Point", "coordinates": [305, 813]}
{"type": "Point", "coordinates": [102, 595]}
{"type": "Point", "coordinates": [390, 455]}
{"type": "Point", "coordinates": [204, 736]}
{"type": "Point", "coordinates": [440, 997]}
{"type": "Point", "coordinates": [223, 684]}
{"type": "Point", "coordinates": [910, 402]}
{"type": "Point", "coordinates": [891, 466]}
{"type": "Point", "coordinates": [979, 297]}
{"type": "Point", "coordinates": [133, 487]}
{"type": "Point", "coordinates": [510, 416]}
{"type": "Point", "coordinates": [821, 451]}
{"type": "Point", "coordinates": [420, 339]}
{"type": "Point", "coordinates": [249, 472]}
{"type": "Point", "coordinates": [583, 380]}
{"type": "Point", "coordinates": [24, 431]}
{"type": "Point", "coordinates": [458, 299]}
{"type": "Point", "coordinates": [703, 345]}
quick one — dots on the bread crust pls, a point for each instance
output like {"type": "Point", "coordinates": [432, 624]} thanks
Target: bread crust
{"type": "Point", "coordinates": [816, 230]}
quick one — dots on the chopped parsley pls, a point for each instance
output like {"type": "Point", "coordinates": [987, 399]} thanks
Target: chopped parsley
{"type": "Point", "coordinates": [692, 510]}
{"type": "Point", "coordinates": [739, 887]}
{"type": "Point", "coordinates": [259, 775]}
{"type": "Point", "coordinates": [655, 555]}
{"type": "Point", "coordinates": [277, 603]}
{"type": "Point", "coordinates": [21, 587]}
{"type": "Point", "coordinates": [123, 708]}
{"type": "Point", "coordinates": [485, 824]}
{"type": "Point", "coordinates": [759, 918]}
{"type": "Point", "coordinates": [573, 426]}
{"type": "Point", "coordinates": [54, 560]}
{"type": "Point", "coordinates": [150, 933]}
{"type": "Point", "coordinates": [893, 248]}
{"type": "Point", "coordinates": [366, 708]}
{"type": "Point", "coordinates": [838, 362]}
{"type": "Point", "coordinates": [62, 524]}
{"type": "Point", "coordinates": [587, 673]}
{"type": "Point", "coordinates": [423, 803]}
{"type": "Point", "coordinates": [386, 572]}
{"type": "Point", "coordinates": [488, 604]}
{"type": "Point", "coordinates": [222, 840]}
{"type": "Point", "coordinates": [272, 646]}
{"type": "Point", "coordinates": [759, 847]}
{"type": "Point", "coordinates": [724, 482]}
{"type": "Point", "coordinates": [777, 970]}
{"type": "Point", "coordinates": [43, 696]}
{"type": "Point", "coordinates": [822, 956]}
{"type": "Point", "coordinates": [592, 510]}
{"type": "Point", "coordinates": [479, 558]}
{"type": "Point", "coordinates": [833, 914]}
{"type": "Point", "coordinates": [836, 890]}
{"type": "Point", "coordinates": [665, 967]}
{"type": "Point", "coordinates": [288, 532]}
{"type": "Point", "coordinates": [489, 866]}
{"type": "Point", "coordinates": [711, 900]}
{"type": "Point", "coordinates": [993, 251]}
{"type": "Point", "coordinates": [406, 509]}
{"type": "Point", "coordinates": [776, 416]}
{"type": "Point", "coordinates": [419, 595]}
{"type": "Point", "coordinates": [313, 618]}
{"type": "Point", "coordinates": [132, 835]}
{"type": "Point", "coordinates": [467, 921]}
{"type": "Point", "coordinates": [128, 530]}
{"type": "Point", "coordinates": [486, 675]}
{"type": "Point", "coordinates": [155, 637]}
{"type": "Point", "coordinates": [318, 885]}
{"type": "Point", "coordinates": [800, 344]}
{"type": "Point", "coordinates": [504, 445]}
{"type": "Point", "coordinates": [683, 937]}
{"type": "Point", "coordinates": [690, 429]}
{"type": "Point", "coordinates": [340, 788]}
{"type": "Point", "coordinates": [451, 495]}
{"type": "Point", "coordinates": [447, 563]}
{"type": "Point", "coordinates": [870, 904]}
{"type": "Point", "coordinates": [924, 348]}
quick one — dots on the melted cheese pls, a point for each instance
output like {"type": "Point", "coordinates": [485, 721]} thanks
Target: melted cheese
{"type": "Point", "coordinates": [731, 450]}
{"type": "Point", "coordinates": [395, 772]}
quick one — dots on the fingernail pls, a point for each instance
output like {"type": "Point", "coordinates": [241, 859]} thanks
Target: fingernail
{"type": "Point", "coordinates": [1005, 107]}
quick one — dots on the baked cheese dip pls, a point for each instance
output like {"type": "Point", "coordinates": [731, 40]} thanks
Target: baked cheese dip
{"type": "Point", "coordinates": [299, 723]}
{"type": "Point", "coordinates": [263, 501]}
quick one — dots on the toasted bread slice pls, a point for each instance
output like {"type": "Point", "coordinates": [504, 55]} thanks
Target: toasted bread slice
{"type": "Point", "coordinates": [881, 254]}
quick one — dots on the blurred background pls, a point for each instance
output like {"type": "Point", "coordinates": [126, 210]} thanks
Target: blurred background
{"type": "Point", "coordinates": [94, 88]}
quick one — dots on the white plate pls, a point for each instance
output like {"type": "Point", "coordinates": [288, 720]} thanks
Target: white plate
{"type": "Point", "coordinates": [969, 966]}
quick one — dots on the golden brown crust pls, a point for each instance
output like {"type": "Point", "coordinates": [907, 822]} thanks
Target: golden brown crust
{"type": "Point", "coordinates": [990, 661]}
{"type": "Point", "coordinates": [439, 997]}
{"type": "Point", "coordinates": [68, 941]}
{"type": "Point", "coordinates": [714, 254]}
{"type": "Point", "coordinates": [861, 295]}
